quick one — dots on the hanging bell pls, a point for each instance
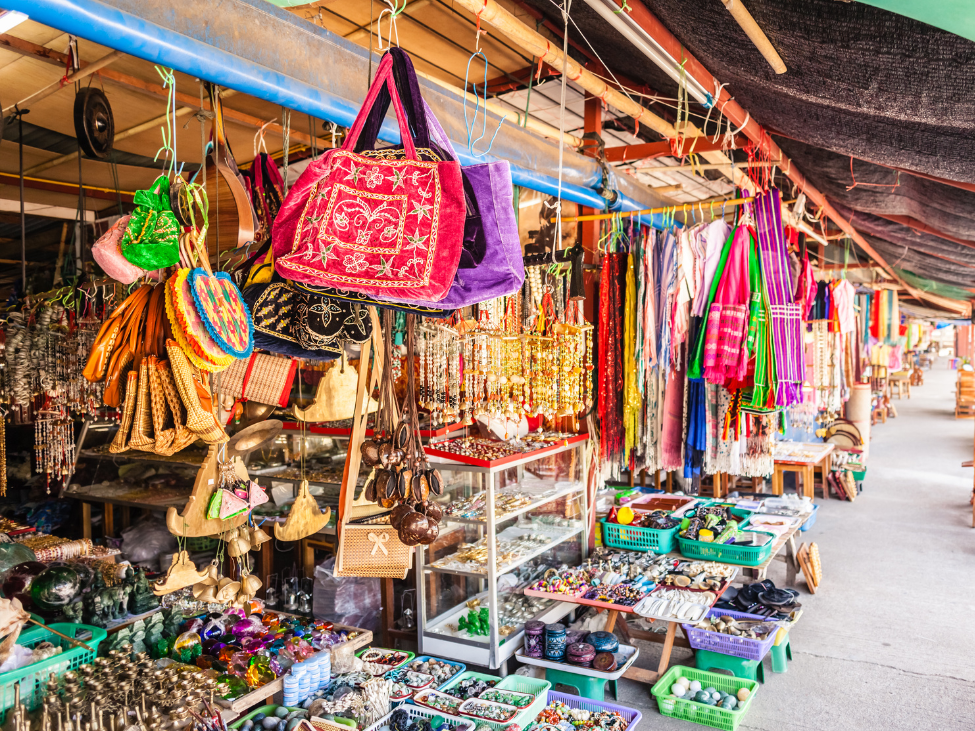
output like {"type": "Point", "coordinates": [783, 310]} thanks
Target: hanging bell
{"type": "Point", "coordinates": [238, 546]}
{"type": "Point", "coordinates": [228, 591]}
{"type": "Point", "coordinates": [207, 596]}
{"type": "Point", "coordinates": [250, 584]}
{"type": "Point", "coordinates": [257, 537]}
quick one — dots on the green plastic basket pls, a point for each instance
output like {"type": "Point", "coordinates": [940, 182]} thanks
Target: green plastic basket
{"type": "Point", "coordinates": [201, 543]}
{"type": "Point", "coordinates": [635, 538]}
{"type": "Point", "coordinates": [470, 674]}
{"type": "Point", "coordinates": [723, 553]}
{"type": "Point", "coordinates": [266, 710]}
{"type": "Point", "coordinates": [33, 677]}
{"type": "Point", "coordinates": [536, 686]}
{"type": "Point", "coordinates": [713, 716]}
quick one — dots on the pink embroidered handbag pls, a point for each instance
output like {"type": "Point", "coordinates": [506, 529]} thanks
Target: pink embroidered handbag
{"type": "Point", "coordinates": [387, 222]}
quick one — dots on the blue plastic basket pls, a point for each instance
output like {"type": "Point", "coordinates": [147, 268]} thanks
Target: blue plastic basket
{"type": "Point", "coordinates": [811, 520]}
{"type": "Point", "coordinates": [461, 667]}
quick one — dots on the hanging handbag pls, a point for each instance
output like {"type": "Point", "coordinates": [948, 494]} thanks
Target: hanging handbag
{"type": "Point", "coordinates": [151, 238]}
{"type": "Point", "coordinates": [266, 379]}
{"type": "Point", "coordinates": [384, 223]}
{"type": "Point", "coordinates": [491, 264]}
{"type": "Point", "coordinates": [367, 544]}
{"type": "Point", "coordinates": [107, 253]}
{"type": "Point", "coordinates": [114, 328]}
{"type": "Point", "coordinates": [273, 312]}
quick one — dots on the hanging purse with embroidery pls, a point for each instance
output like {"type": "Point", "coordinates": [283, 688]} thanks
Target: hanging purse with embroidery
{"type": "Point", "coordinates": [381, 222]}
{"type": "Point", "coordinates": [151, 238]}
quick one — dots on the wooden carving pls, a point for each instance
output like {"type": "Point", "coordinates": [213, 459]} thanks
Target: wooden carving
{"type": "Point", "coordinates": [193, 523]}
{"type": "Point", "coordinates": [181, 573]}
{"type": "Point", "coordinates": [335, 396]}
{"type": "Point", "coordinates": [304, 519]}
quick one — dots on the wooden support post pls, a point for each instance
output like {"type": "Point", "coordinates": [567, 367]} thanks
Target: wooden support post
{"type": "Point", "coordinates": [86, 520]}
{"type": "Point", "coordinates": [126, 516]}
{"type": "Point", "coordinates": [388, 598]}
{"type": "Point", "coordinates": [670, 481]}
{"type": "Point", "coordinates": [109, 522]}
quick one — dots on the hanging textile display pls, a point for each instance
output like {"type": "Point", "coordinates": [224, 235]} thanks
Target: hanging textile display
{"type": "Point", "coordinates": [786, 320]}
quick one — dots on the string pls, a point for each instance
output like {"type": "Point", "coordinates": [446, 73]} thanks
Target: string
{"type": "Point", "coordinates": [394, 10]}
{"type": "Point", "coordinates": [470, 123]}
{"type": "Point", "coordinates": [896, 184]}
{"type": "Point", "coordinates": [169, 131]}
{"type": "Point", "coordinates": [286, 122]}
{"type": "Point", "coordinates": [565, 65]}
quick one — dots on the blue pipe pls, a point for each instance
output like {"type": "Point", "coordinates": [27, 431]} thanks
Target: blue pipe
{"type": "Point", "coordinates": [133, 35]}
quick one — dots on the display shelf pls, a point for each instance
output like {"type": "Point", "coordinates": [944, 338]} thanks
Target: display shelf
{"type": "Point", "coordinates": [477, 649]}
{"type": "Point", "coordinates": [534, 505]}
{"type": "Point", "coordinates": [631, 653]}
{"type": "Point", "coordinates": [258, 696]}
{"type": "Point", "coordinates": [509, 567]}
{"type": "Point", "coordinates": [444, 460]}
{"type": "Point", "coordinates": [560, 476]}
{"type": "Point", "coordinates": [344, 429]}
{"type": "Point", "coordinates": [147, 457]}
{"type": "Point", "coordinates": [575, 599]}
{"type": "Point", "coordinates": [128, 500]}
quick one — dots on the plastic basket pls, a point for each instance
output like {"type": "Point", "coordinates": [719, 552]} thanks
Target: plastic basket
{"type": "Point", "coordinates": [33, 677]}
{"type": "Point", "coordinates": [742, 647]}
{"type": "Point", "coordinates": [202, 543]}
{"type": "Point", "coordinates": [469, 674]}
{"type": "Point", "coordinates": [523, 684]}
{"type": "Point", "coordinates": [671, 705]}
{"type": "Point", "coordinates": [635, 538]}
{"type": "Point", "coordinates": [266, 710]}
{"type": "Point", "coordinates": [811, 520]}
{"type": "Point", "coordinates": [422, 658]}
{"type": "Point", "coordinates": [722, 553]}
{"type": "Point", "coordinates": [456, 723]}
{"type": "Point", "coordinates": [630, 715]}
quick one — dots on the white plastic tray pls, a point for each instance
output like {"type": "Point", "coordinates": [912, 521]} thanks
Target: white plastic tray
{"type": "Point", "coordinates": [631, 652]}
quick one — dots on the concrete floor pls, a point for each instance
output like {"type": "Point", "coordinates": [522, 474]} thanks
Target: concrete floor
{"type": "Point", "coordinates": [888, 642]}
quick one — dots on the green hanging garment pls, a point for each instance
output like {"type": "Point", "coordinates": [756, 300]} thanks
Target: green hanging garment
{"type": "Point", "coordinates": [695, 366]}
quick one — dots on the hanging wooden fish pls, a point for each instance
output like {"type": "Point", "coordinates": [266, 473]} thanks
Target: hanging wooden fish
{"type": "Point", "coordinates": [304, 519]}
{"type": "Point", "coordinates": [181, 573]}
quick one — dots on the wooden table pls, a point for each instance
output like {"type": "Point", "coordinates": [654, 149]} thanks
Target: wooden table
{"type": "Point", "coordinates": [803, 467]}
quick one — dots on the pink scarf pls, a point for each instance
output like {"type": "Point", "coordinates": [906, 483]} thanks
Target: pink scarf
{"type": "Point", "coordinates": [725, 351]}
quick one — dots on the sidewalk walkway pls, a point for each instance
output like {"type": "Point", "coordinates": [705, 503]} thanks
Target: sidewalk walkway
{"type": "Point", "coordinates": [888, 642]}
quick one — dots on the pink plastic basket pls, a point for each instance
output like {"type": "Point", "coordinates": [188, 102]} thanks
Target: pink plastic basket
{"type": "Point", "coordinates": [742, 647]}
{"type": "Point", "coordinates": [630, 715]}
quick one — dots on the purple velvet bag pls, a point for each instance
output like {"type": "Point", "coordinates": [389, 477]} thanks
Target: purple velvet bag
{"type": "Point", "coordinates": [491, 263]}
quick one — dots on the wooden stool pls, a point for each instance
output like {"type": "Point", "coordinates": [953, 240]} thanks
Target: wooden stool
{"type": "Point", "coordinates": [737, 666]}
{"type": "Point", "coordinates": [805, 473]}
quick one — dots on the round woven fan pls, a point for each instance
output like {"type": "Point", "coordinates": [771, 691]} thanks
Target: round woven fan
{"type": "Point", "coordinates": [189, 330]}
{"type": "Point", "coordinates": [223, 311]}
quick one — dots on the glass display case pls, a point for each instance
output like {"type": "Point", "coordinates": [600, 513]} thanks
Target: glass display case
{"type": "Point", "coordinates": [507, 518]}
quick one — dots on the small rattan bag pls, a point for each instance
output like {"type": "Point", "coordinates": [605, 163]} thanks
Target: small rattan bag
{"type": "Point", "coordinates": [367, 544]}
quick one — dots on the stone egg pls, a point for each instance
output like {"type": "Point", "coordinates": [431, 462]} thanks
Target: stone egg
{"type": "Point", "coordinates": [678, 690]}
{"type": "Point", "coordinates": [743, 694]}
{"type": "Point", "coordinates": [695, 685]}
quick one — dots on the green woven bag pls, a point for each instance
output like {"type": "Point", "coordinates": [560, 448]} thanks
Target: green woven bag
{"type": "Point", "coordinates": [151, 239]}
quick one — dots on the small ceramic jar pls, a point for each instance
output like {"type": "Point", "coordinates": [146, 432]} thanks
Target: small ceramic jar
{"type": "Point", "coordinates": [555, 642]}
{"type": "Point", "coordinates": [534, 638]}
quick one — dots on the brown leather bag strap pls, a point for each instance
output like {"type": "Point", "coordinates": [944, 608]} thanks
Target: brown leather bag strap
{"type": "Point", "coordinates": [111, 335]}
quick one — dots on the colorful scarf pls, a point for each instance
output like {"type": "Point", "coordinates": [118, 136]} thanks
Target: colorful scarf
{"type": "Point", "coordinates": [786, 320]}
{"type": "Point", "coordinates": [611, 362]}
{"type": "Point", "coordinates": [725, 335]}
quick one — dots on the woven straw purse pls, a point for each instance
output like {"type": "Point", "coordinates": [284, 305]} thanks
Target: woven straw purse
{"type": "Point", "coordinates": [367, 544]}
